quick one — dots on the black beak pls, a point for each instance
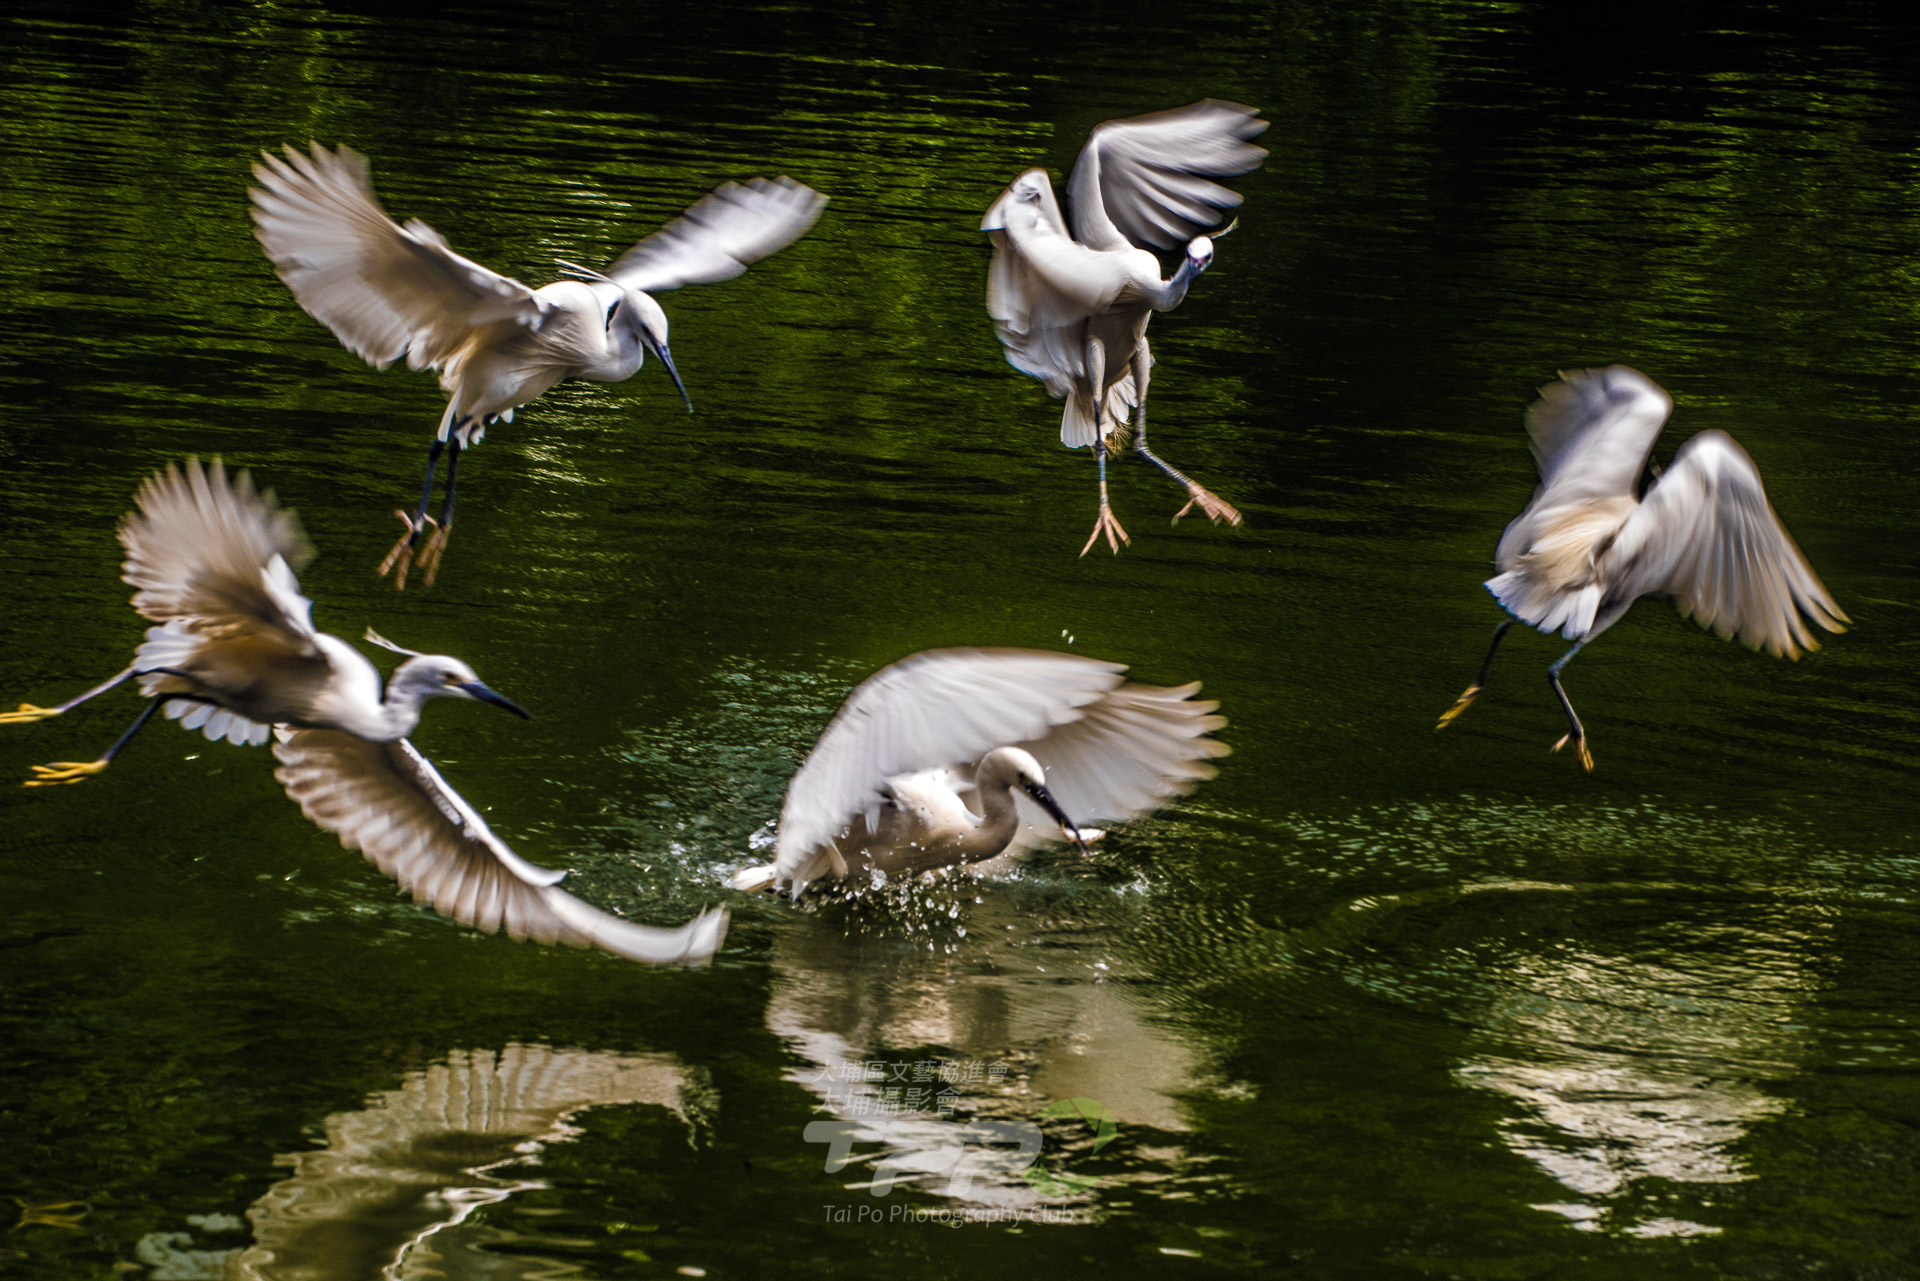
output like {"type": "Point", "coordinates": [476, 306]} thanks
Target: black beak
{"type": "Point", "coordinates": [475, 689]}
{"type": "Point", "coordinates": [666, 358]}
{"type": "Point", "coordinates": [1044, 798]}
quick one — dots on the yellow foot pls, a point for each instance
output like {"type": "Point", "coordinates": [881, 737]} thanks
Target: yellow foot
{"type": "Point", "coordinates": [401, 557]}
{"type": "Point", "coordinates": [428, 561]}
{"type": "Point", "coordinates": [28, 714]}
{"type": "Point", "coordinates": [1453, 713]}
{"type": "Point", "coordinates": [1579, 746]}
{"type": "Point", "coordinates": [64, 772]}
{"type": "Point", "coordinates": [1210, 504]}
{"type": "Point", "coordinates": [1110, 527]}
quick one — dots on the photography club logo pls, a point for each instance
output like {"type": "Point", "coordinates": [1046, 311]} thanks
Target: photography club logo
{"type": "Point", "coordinates": [947, 1157]}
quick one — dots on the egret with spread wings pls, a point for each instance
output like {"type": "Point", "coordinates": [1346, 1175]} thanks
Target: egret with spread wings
{"type": "Point", "coordinates": [235, 655]}
{"type": "Point", "coordinates": [953, 756]}
{"type": "Point", "coordinates": [1590, 543]}
{"type": "Point", "coordinates": [387, 290]}
{"type": "Point", "coordinates": [1071, 307]}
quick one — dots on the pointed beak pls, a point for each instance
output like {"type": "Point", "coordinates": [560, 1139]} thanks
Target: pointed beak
{"type": "Point", "coordinates": [666, 358]}
{"type": "Point", "coordinates": [1044, 799]}
{"type": "Point", "coordinates": [474, 689]}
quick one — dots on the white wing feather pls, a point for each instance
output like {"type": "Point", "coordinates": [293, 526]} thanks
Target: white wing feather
{"type": "Point", "coordinates": [1132, 750]}
{"type": "Point", "coordinates": [720, 234]}
{"type": "Point", "coordinates": [1147, 181]}
{"type": "Point", "coordinates": [1706, 534]}
{"type": "Point", "coordinates": [383, 289]}
{"type": "Point", "coordinates": [1592, 432]}
{"type": "Point", "coordinates": [387, 801]}
{"type": "Point", "coordinates": [201, 546]}
{"type": "Point", "coordinates": [939, 708]}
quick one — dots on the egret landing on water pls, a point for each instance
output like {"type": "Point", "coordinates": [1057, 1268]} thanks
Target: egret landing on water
{"type": "Point", "coordinates": [386, 291]}
{"type": "Point", "coordinates": [1590, 544]}
{"type": "Point", "coordinates": [1072, 308]}
{"type": "Point", "coordinates": [236, 656]}
{"type": "Point", "coordinates": [953, 756]}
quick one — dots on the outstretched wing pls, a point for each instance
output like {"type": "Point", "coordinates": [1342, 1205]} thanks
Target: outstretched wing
{"type": "Point", "coordinates": [1592, 432]}
{"type": "Point", "coordinates": [943, 707]}
{"type": "Point", "coordinates": [387, 801]}
{"type": "Point", "coordinates": [1132, 749]}
{"type": "Point", "coordinates": [204, 546]}
{"type": "Point", "coordinates": [1706, 533]}
{"type": "Point", "coordinates": [383, 289]}
{"type": "Point", "coordinates": [720, 235]}
{"type": "Point", "coordinates": [1148, 180]}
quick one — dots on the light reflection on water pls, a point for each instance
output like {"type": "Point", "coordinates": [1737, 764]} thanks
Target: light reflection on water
{"type": "Point", "coordinates": [1357, 1004]}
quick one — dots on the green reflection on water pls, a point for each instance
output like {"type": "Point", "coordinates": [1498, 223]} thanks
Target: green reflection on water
{"type": "Point", "coordinates": [1362, 1005]}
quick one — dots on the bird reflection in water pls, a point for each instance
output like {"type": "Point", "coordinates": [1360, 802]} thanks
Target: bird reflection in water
{"type": "Point", "coordinates": [1055, 1014]}
{"type": "Point", "coordinates": [392, 1192]}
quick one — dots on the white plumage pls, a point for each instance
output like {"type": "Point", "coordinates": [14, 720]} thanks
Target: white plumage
{"type": "Point", "coordinates": [235, 652]}
{"type": "Point", "coordinates": [1072, 308]}
{"type": "Point", "coordinates": [1589, 545]}
{"type": "Point", "coordinates": [387, 291]}
{"type": "Point", "coordinates": [954, 756]}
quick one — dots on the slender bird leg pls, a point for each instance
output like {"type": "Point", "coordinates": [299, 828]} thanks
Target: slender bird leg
{"type": "Point", "coordinates": [1105, 523]}
{"type": "Point", "coordinates": [429, 559]}
{"type": "Point", "coordinates": [79, 771]}
{"type": "Point", "coordinates": [1211, 505]}
{"type": "Point", "coordinates": [28, 713]}
{"type": "Point", "coordinates": [1577, 735]}
{"type": "Point", "coordinates": [1479, 682]}
{"type": "Point", "coordinates": [399, 556]}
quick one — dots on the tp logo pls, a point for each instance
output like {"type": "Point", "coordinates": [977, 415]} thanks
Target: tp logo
{"type": "Point", "coordinates": [1095, 1114]}
{"type": "Point", "coordinates": [919, 1147]}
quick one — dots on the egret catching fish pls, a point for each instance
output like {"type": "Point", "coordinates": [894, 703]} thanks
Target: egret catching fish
{"type": "Point", "coordinates": [386, 291]}
{"type": "Point", "coordinates": [1071, 307]}
{"type": "Point", "coordinates": [953, 756]}
{"type": "Point", "coordinates": [1592, 542]}
{"type": "Point", "coordinates": [235, 655]}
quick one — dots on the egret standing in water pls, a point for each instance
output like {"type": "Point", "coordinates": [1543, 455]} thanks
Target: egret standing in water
{"type": "Point", "coordinates": [386, 291]}
{"type": "Point", "coordinates": [1591, 542]}
{"type": "Point", "coordinates": [236, 656]}
{"type": "Point", "coordinates": [1072, 308]}
{"type": "Point", "coordinates": [953, 756]}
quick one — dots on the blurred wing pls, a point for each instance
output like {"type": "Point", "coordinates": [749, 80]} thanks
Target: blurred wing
{"type": "Point", "coordinates": [387, 801]}
{"type": "Point", "coordinates": [1592, 432]}
{"type": "Point", "coordinates": [720, 235]}
{"type": "Point", "coordinates": [943, 707]}
{"type": "Point", "coordinates": [1147, 181]}
{"type": "Point", "coordinates": [1706, 533]}
{"type": "Point", "coordinates": [383, 289]}
{"type": "Point", "coordinates": [1135, 748]}
{"type": "Point", "coordinates": [206, 547]}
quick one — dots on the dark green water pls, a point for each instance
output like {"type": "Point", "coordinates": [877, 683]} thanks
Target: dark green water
{"type": "Point", "coordinates": [1374, 1003]}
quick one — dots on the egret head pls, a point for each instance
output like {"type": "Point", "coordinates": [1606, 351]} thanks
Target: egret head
{"type": "Point", "coordinates": [648, 322]}
{"type": "Point", "coordinates": [427, 676]}
{"type": "Point", "coordinates": [1017, 768]}
{"type": "Point", "coordinates": [1200, 253]}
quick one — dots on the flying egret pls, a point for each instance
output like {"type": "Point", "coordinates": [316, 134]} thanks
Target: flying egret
{"type": "Point", "coordinates": [1072, 308]}
{"type": "Point", "coordinates": [386, 290]}
{"type": "Point", "coordinates": [953, 756]}
{"type": "Point", "coordinates": [236, 656]}
{"type": "Point", "coordinates": [1591, 543]}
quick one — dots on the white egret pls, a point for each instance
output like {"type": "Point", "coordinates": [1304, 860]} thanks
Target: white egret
{"type": "Point", "coordinates": [386, 291]}
{"type": "Point", "coordinates": [236, 656]}
{"type": "Point", "coordinates": [1072, 308]}
{"type": "Point", "coordinates": [953, 756]}
{"type": "Point", "coordinates": [1591, 542]}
